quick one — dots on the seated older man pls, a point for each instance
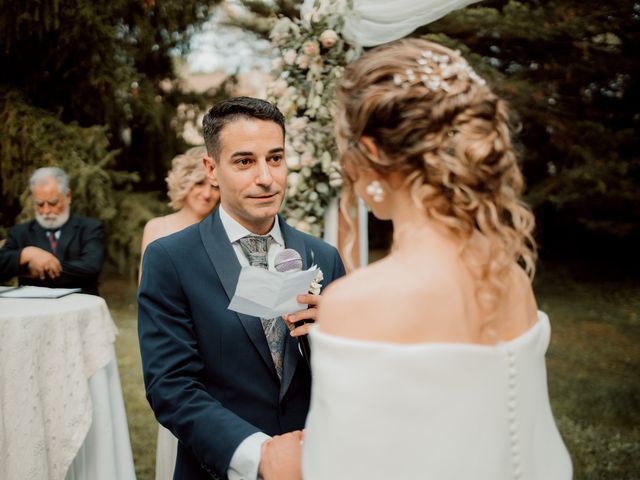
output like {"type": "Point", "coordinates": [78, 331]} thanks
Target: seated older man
{"type": "Point", "coordinates": [58, 249]}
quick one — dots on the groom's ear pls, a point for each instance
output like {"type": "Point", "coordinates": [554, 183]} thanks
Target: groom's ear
{"type": "Point", "coordinates": [211, 170]}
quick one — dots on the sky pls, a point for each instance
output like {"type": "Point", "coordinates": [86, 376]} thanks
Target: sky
{"type": "Point", "coordinates": [229, 49]}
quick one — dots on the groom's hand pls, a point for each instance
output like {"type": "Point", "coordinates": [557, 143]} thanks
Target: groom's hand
{"type": "Point", "coordinates": [280, 457]}
{"type": "Point", "coordinates": [309, 315]}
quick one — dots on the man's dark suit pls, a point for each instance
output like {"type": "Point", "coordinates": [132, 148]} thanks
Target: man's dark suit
{"type": "Point", "coordinates": [208, 371]}
{"type": "Point", "coordinates": [80, 251]}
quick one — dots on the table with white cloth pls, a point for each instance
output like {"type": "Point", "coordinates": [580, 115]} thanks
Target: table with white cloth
{"type": "Point", "coordinates": [61, 408]}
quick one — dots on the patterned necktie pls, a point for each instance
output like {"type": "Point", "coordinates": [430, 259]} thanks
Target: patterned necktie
{"type": "Point", "coordinates": [53, 241]}
{"type": "Point", "coordinates": [255, 248]}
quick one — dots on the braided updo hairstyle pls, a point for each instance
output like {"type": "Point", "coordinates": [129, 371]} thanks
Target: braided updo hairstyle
{"type": "Point", "coordinates": [437, 123]}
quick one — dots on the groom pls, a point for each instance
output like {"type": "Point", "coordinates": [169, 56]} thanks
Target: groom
{"type": "Point", "coordinates": [224, 382]}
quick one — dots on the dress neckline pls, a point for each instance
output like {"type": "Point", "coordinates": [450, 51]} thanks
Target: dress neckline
{"type": "Point", "coordinates": [541, 325]}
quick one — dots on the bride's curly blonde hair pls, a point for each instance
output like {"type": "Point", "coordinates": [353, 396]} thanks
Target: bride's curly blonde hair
{"type": "Point", "coordinates": [438, 124]}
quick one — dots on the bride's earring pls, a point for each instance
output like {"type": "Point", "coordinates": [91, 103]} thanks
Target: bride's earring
{"type": "Point", "coordinates": [375, 191]}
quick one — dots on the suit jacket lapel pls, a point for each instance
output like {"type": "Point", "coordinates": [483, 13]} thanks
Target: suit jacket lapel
{"type": "Point", "coordinates": [224, 259]}
{"type": "Point", "coordinates": [39, 236]}
{"type": "Point", "coordinates": [292, 239]}
{"type": "Point", "coordinates": [67, 232]}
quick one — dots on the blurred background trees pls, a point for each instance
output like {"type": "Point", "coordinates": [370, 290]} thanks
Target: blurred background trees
{"type": "Point", "coordinates": [569, 69]}
{"type": "Point", "coordinates": [92, 87]}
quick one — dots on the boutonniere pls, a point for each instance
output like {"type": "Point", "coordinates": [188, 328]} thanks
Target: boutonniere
{"type": "Point", "coordinates": [316, 284]}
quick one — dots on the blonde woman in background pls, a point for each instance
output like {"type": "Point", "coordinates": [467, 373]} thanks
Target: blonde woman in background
{"type": "Point", "coordinates": [430, 363]}
{"type": "Point", "coordinates": [194, 198]}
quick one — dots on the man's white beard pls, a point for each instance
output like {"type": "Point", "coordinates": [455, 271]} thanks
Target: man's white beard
{"type": "Point", "coordinates": [53, 221]}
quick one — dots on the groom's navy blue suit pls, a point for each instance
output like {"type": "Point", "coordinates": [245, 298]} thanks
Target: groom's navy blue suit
{"type": "Point", "coordinates": [208, 371]}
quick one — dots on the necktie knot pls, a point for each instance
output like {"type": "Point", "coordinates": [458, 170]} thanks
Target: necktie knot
{"type": "Point", "coordinates": [256, 248]}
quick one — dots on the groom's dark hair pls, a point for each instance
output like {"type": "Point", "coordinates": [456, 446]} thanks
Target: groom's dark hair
{"type": "Point", "coordinates": [233, 109]}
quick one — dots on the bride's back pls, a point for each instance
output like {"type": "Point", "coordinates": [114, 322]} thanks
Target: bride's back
{"type": "Point", "coordinates": [426, 293]}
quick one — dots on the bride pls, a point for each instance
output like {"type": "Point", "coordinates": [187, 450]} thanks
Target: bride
{"type": "Point", "coordinates": [430, 363]}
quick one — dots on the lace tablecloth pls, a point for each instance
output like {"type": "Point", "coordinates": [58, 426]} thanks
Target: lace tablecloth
{"type": "Point", "coordinates": [48, 351]}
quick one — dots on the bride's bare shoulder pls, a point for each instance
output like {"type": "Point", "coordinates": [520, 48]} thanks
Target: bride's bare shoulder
{"type": "Point", "coordinates": [355, 296]}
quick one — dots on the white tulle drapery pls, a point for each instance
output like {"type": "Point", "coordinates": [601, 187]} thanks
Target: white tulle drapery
{"type": "Point", "coordinates": [374, 22]}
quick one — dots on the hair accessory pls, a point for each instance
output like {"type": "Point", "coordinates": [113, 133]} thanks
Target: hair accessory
{"type": "Point", "coordinates": [375, 191]}
{"type": "Point", "coordinates": [437, 71]}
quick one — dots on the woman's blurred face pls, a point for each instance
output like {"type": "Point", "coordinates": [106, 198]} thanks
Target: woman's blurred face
{"type": "Point", "coordinates": [202, 198]}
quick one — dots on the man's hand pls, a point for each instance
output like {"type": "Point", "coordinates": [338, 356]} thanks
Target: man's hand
{"type": "Point", "coordinates": [310, 314]}
{"type": "Point", "coordinates": [40, 263]}
{"type": "Point", "coordinates": [281, 457]}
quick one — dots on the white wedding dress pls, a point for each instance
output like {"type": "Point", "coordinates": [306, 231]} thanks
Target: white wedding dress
{"type": "Point", "coordinates": [432, 411]}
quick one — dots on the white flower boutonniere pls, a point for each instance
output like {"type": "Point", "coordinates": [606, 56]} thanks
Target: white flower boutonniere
{"type": "Point", "coordinates": [316, 284]}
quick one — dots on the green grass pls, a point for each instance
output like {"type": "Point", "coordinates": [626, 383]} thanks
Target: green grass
{"type": "Point", "coordinates": [143, 428]}
{"type": "Point", "coordinates": [594, 372]}
{"type": "Point", "coordinates": [593, 368]}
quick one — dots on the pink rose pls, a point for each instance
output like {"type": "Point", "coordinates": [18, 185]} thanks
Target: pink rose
{"type": "Point", "coordinates": [328, 38]}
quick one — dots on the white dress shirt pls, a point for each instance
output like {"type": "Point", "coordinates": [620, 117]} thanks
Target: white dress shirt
{"type": "Point", "coordinates": [246, 459]}
{"type": "Point", "coordinates": [56, 233]}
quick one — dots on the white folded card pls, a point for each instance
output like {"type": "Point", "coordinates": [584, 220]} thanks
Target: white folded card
{"type": "Point", "coordinates": [38, 292]}
{"type": "Point", "coordinates": [266, 294]}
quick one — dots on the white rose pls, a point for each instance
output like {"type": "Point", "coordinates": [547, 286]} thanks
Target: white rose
{"type": "Point", "coordinates": [316, 65]}
{"type": "Point", "coordinates": [289, 56]}
{"type": "Point", "coordinates": [316, 284]}
{"type": "Point", "coordinates": [328, 38]}
{"type": "Point", "coordinates": [276, 64]}
{"type": "Point", "coordinates": [298, 144]}
{"type": "Point", "coordinates": [311, 48]}
{"type": "Point", "coordinates": [293, 162]}
{"type": "Point", "coordinates": [307, 159]}
{"type": "Point", "coordinates": [335, 179]}
{"type": "Point", "coordinates": [303, 226]}
{"type": "Point", "coordinates": [279, 87]}
{"type": "Point", "coordinates": [297, 125]}
{"type": "Point", "coordinates": [293, 179]}
{"type": "Point", "coordinates": [303, 62]}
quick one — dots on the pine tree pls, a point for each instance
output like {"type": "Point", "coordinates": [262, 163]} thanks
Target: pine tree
{"type": "Point", "coordinates": [104, 63]}
{"type": "Point", "coordinates": [569, 70]}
